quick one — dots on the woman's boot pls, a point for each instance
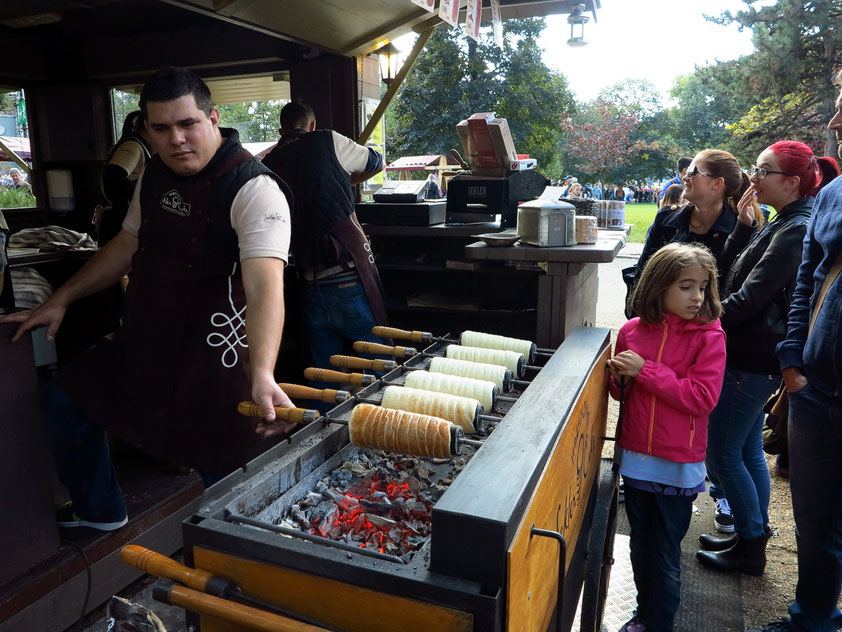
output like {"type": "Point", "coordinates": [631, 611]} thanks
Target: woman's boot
{"type": "Point", "coordinates": [713, 543]}
{"type": "Point", "coordinates": [748, 556]}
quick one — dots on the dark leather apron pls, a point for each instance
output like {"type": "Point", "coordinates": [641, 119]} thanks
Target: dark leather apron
{"type": "Point", "coordinates": [169, 381]}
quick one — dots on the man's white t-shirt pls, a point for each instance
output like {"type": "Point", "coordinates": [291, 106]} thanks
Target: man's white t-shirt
{"type": "Point", "coordinates": [259, 216]}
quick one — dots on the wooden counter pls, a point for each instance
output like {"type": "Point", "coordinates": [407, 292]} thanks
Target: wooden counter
{"type": "Point", "coordinates": [440, 279]}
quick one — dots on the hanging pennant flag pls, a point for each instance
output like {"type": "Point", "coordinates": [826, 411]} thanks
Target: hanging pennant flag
{"type": "Point", "coordinates": [429, 5]}
{"type": "Point", "coordinates": [449, 11]}
{"type": "Point", "coordinates": [473, 17]}
{"type": "Point", "coordinates": [497, 20]}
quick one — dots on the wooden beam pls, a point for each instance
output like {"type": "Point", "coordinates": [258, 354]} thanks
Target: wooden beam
{"type": "Point", "coordinates": [393, 88]}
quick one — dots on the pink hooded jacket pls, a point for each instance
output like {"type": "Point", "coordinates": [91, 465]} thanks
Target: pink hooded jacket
{"type": "Point", "coordinates": [667, 405]}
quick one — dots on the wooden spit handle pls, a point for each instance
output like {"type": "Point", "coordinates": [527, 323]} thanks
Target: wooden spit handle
{"type": "Point", "coordinates": [156, 564]}
{"type": "Point", "coordinates": [326, 395]}
{"type": "Point", "coordinates": [238, 614]}
{"type": "Point", "coordinates": [401, 353]}
{"type": "Point", "coordinates": [338, 377]}
{"type": "Point", "coordinates": [291, 415]}
{"type": "Point", "coordinates": [402, 334]}
{"type": "Point", "coordinates": [350, 362]}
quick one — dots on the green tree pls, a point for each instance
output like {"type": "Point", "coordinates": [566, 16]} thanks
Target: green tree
{"type": "Point", "coordinates": [455, 77]}
{"type": "Point", "coordinates": [789, 78]}
{"type": "Point", "coordinates": [256, 122]}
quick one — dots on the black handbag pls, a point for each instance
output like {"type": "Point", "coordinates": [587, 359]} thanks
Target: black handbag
{"type": "Point", "coordinates": [630, 279]}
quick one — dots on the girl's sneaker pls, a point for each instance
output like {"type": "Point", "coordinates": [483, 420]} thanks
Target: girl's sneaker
{"type": "Point", "coordinates": [722, 518]}
{"type": "Point", "coordinates": [633, 625]}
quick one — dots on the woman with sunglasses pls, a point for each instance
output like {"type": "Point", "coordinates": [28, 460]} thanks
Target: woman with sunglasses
{"type": "Point", "coordinates": [757, 288]}
{"type": "Point", "coordinates": [713, 184]}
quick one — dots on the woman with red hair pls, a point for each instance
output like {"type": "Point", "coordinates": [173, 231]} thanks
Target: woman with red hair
{"type": "Point", "coordinates": [757, 290]}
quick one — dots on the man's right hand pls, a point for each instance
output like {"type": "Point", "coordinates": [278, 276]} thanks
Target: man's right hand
{"type": "Point", "coordinates": [51, 313]}
{"type": "Point", "coordinates": [794, 379]}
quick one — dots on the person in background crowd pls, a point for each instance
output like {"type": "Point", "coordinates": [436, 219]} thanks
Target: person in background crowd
{"type": "Point", "coordinates": [758, 288]}
{"type": "Point", "coordinates": [810, 357]}
{"type": "Point", "coordinates": [18, 181]}
{"type": "Point", "coordinates": [672, 198]}
{"type": "Point", "coordinates": [597, 191]}
{"type": "Point", "coordinates": [126, 162]}
{"type": "Point", "coordinates": [673, 353]}
{"type": "Point", "coordinates": [682, 165]}
{"type": "Point", "coordinates": [575, 190]}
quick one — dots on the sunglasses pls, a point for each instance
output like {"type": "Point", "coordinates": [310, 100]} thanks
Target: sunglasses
{"type": "Point", "coordinates": [694, 171]}
{"type": "Point", "coordinates": [762, 172]}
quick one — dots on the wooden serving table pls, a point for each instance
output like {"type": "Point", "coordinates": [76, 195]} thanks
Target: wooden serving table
{"type": "Point", "coordinates": [442, 276]}
{"type": "Point", "coordinates": [567, 291]}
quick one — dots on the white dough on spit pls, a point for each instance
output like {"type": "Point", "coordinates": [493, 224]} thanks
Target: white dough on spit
{"type": "Point", "coordinates": [459, 410]}
{"type": "Point", "coordinates": [399, 431]}
{"type": "Point", "coordinates": [490, 372]}
{"type": "Point", "coordinates": [512, 360]}
{"type": "Point", "coordinates": [493, 341]}
{"type": "Point", "coordinates": [482, 390]}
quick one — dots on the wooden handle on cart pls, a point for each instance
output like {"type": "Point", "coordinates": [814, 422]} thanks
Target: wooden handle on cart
{"type": "Point", "coordinates": [338, 377]}
{"type": "Point", "coordinates": [291, 415]}
{"type": "Point", "coordinates": [238, 614]}
{"type": "Point", "coordinates": [401, 353]}
{"type": "Point", "coordinates": [350, 362]}
{"type": "Point", "coordinates": [326, 395]}
{"type": "Point", "coordinates": [156, 564]}
{"type": "Point", "coordinates": [402, 334]}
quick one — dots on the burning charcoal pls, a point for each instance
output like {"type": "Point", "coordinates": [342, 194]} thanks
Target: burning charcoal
{"type": "Point", "coordinates": [324, 515]}
{"type": "Point", "coordinates": [321, 486]}
{"type": "Point", "coordinates": [335, 532]}
{"type": "Point", "coordinates": [432, 494]}
{"type": "Point", "coordinates": [380, 521]}
{"type": "Point", "coordinates": [311, 499]}
{"type": "Point", "coordinates": [299, 517]}
{"type": "Point", "coordinates": [415, 485]}
{"type": "Point", "coordinates": [359, 523]}
{"type": "Point", "coordinates": [399, 503]}
{"type": "Point", "coordinates": [439, 461]}
{"type": "Point", "coordinates": [415, 541]}
{"type": "Point", "coordinates": [333, 495]}
{"type": "Point", "coordinates": [384, 507]}
{"type": "Point", "coordinates": [341, 479]}
{"type": "Point", "coordinates": [348, 503]}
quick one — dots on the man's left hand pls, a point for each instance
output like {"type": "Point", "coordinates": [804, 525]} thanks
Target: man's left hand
{"type": "Point", "coordinates": [266, 392]}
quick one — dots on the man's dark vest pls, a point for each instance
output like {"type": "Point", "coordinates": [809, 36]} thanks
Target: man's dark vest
{"type": "Point", "coordinates": [326, 232]}
{"type": "Point", "coordinates": [170, 380]}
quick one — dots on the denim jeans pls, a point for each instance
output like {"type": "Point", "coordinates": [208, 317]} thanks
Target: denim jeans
{"type": "Point", "coordinates": [658, 524]}
{"type": "Point", "coordinates": [735, 449]}
{"type": "Point", "coordinates": [83, 459]}
{"type": "Point", "coordinates": [815, 476]}
{"type": "Point", "coordinates": [335, 313]}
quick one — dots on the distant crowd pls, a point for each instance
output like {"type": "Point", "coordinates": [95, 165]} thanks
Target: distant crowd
{"type": "Point", "coordinates": [643, 194]}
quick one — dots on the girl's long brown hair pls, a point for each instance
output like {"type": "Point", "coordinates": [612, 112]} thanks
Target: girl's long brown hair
{"type": "Point", "coordinates": [663, 269]}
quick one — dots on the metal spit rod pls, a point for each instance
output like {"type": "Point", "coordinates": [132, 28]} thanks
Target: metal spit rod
{"type": "Point", "coordinates": [425, 337]}
{"type": "Point", "coordinates": [531, 367]}
{"type": "Point", "coordinates": [508, 381]}
{"type": "Point", "coordinates": [379, 402]}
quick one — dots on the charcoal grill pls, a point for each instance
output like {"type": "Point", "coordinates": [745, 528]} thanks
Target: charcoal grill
{"type": "Point", "coordinates": [524, 501]}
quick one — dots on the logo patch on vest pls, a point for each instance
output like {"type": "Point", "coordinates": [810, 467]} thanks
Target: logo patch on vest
{"type": "Point", "coordinates": [173, 203]}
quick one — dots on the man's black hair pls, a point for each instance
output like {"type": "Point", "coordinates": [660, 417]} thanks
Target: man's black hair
{"type": "Point", "coordinates": [168, 84]}
{"type": "Point", "coordinates": [296, 115]}
{"type": "Point", "coordinates": [683, 163]}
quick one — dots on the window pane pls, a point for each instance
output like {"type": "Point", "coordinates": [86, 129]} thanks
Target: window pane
{"type": "Point", "coordinates": [15, 154]}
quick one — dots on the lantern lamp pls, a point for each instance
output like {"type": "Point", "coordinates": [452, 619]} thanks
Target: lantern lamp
{"type": "Point", "coordinates": [388, 62]}
{"type": "Point", "coordinates": [577, 20]}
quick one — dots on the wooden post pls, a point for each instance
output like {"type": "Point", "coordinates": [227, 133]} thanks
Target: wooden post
{"type": "Point", "coordinates": [396, 83]}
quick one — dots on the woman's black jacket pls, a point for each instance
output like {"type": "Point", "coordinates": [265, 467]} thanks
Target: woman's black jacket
{"type": "Point", "coordinates": [758, 287]}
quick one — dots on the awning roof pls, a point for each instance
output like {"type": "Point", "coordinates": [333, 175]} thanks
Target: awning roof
{"type": "Point", "coordinates": [418, 163]}
{"type": "Point", "coordinates": [18, 145]}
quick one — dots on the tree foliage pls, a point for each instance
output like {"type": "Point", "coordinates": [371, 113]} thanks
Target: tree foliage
{"type": "Point", "coordinates": [789, 78]}
{"type": "Point", "coordinates": [455, 77]}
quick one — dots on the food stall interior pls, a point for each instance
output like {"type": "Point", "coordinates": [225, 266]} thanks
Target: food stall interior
{"type": "Point", "coordinates": [69, 56]}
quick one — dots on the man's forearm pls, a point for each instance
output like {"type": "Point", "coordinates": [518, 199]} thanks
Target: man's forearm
{"type": "Point", "coordinates": [264, 284]}
{"type": "Point", "coordinates": [103, 270]}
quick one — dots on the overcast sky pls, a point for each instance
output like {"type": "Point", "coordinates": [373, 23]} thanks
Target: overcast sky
{"type": "Point", "coordinates": [656, 40]}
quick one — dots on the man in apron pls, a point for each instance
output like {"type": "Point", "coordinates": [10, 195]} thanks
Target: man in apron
{"type": "Point", "coordinates": [206, 234]}
{"type": "Point", "coordinates": [342, 292]}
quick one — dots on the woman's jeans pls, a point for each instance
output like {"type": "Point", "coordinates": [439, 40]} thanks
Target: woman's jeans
{"type": "Point", "coordinates": [815, 476]}
{"type": "Point", "coordinates": [735, 449]}
{"type": "Point", "coordinates": [658, 524]}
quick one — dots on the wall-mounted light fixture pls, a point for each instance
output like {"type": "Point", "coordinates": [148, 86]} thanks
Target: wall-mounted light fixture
{"type": "Point", "coordinates": [577, 20]}
{"type": "Point", "coordinates": [388, 62]}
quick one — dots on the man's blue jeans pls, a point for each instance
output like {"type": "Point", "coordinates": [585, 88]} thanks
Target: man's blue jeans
{"type": "Point", "coordinates": [336, 312]}
{"type": "Point", "coordinates": [815, 476]}
{"type": "Point", "coordinates": [83, 459]}
{"type": "Point", "coordinates": [735, 449]}
{"type": "Point", "coordinates": [658, 524]}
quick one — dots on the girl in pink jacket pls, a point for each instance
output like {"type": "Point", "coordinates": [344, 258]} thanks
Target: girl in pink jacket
{"type": "Point", "coordinates": [671, 360]}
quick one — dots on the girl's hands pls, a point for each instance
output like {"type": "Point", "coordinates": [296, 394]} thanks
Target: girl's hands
{"type": "Point", "coordinates": [626, 363]}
